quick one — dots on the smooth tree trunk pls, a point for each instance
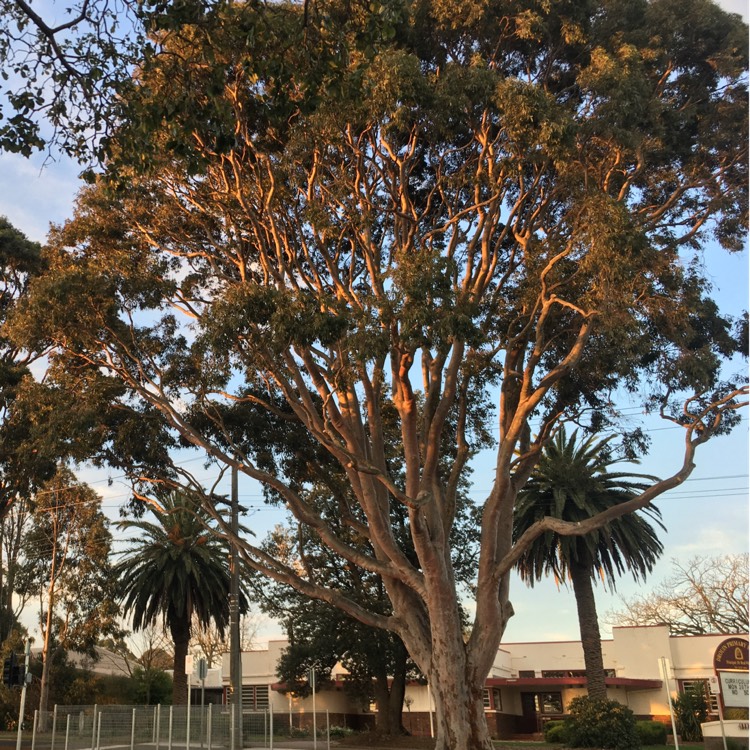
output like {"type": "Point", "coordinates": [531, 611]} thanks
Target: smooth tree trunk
{"type": "Point", "coordinates": [455, 683]}
{"type": "Point", "coordinates": [591, 641]}
{"type": "Point", "coordinates": [389, 694]}
{"type": "Point", "coordinates": [459, 716]}
{"type": "Point", "coordinates": [398, 691]}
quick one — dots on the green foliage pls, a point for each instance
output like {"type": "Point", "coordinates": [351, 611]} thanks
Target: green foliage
{"type": "Point", "coordinates": [176, 568]}
{"type": "Point", "coordinates": [23, 466]}
{"type": "Point", "coordinates": [652, 732]}
{"type": "Point", "coordinates": [315, 210]}
{"type": "Point", "coordinates": [573, 482]}
{"type": "Point", "coordinates": [601, 724]}
{"type": "Point", "coordinates": [556, 731]}
{"type": "Point", "coordinates": [340, 733]}
{"type": "Point", "coordinates": [690, 711]}
{"type": "Point", "coordinates": [150, 687]}
{"type": "Point", "coordinates": [66, 562]}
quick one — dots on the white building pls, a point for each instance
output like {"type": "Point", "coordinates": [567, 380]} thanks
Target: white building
{"type": "Point", "coordinates": [529, 683]}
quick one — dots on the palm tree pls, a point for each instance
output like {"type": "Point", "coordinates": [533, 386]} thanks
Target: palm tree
{"type": "Point", "coordinates": [572, 483]}
{"type": "Point", "coordinates": [177, 568]}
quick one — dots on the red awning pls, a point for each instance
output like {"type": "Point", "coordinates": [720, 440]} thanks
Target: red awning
{"type": "Point", "coordinates": [540, 683]}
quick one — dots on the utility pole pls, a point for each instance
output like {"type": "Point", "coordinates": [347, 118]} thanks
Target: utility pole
{"type": "Point", "coordinates": [235, 657]}
{"type": "Point", "coordinates": [26, 679]}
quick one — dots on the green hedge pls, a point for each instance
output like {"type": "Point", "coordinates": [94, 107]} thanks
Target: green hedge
{"type": "Point", "coordinates": [651, 732]}
{"type": "Point", "coordinates": [601, 724]}
{"type": "Point", "coordinates": [556, 731]}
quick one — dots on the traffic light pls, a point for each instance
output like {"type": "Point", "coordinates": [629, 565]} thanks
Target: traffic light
{"type": "Point", "coordinates": [17, 674]}
{"type": "Point", "coordinates": [8, 669]}
{"type": "Point", "coordinates": [13, 672]}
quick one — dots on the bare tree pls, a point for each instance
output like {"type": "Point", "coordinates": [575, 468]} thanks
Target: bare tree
{"type": "Point", "coordinates": [152, 647]}
{"type": "Point", "coordinates": [210, 644]}
{"type": "Point", "coordinates": [704, 595]}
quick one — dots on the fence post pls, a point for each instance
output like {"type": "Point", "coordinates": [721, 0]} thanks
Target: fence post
{"type": "Point", "coordinates": [270, 721]}
{"type": "Point", "coordinates": [209, 722]}
{"type": "Point", "coordinates": [158, 727]}
{"type": "Point", "coordinates": [67, 732]}
{"type": "Point", "coordinates": [132, 732]}
{"type": "Point", "coordinates": [54, 726]}
{"type": "Point", "coordinates": [231, 728]}
{"type": "Point", "coordinates": [33, 729]}
{"type": "Point", "coordinates": [189, 711]}
{"type": "Point", "coordinates": [328, 728]}
{"type": "Point", "coordinates": [93, 729]}
{"type": "Point", "coordinates": [98, 730]}
{"type": "Point", "coordinates": [171, 723]}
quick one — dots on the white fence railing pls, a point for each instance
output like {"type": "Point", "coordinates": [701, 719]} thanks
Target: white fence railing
{"type": "Point", "coordinates": [172, 728]}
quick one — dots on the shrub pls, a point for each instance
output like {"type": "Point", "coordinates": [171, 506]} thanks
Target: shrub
{"type": "Point", "coordinates": [556, 731]}
{"type": "Point", "coordinates": [601, 724]}
{"type": "Point", "coordinates": [550, 726]}
{"type": "Point", "coordinates": [340, 732]}
{"type": "Point", "coordinates": [690, 711]}
{"type": "Point", "coordinates": [651, 732]}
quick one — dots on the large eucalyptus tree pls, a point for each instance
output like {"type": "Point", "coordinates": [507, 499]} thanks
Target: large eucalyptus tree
{"type": "Point", "coordinates": [338, 214]}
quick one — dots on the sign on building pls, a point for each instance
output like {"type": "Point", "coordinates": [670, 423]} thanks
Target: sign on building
{"type": "Point", "coordinates": [731, 655]}
{"type": "Point", "coordinates": [735, 689]}
{"type": "Point", "coordinates": [731, 666]}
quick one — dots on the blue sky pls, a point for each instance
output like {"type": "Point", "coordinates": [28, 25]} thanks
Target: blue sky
{"type": "Point", "coordinates": [708, 515]}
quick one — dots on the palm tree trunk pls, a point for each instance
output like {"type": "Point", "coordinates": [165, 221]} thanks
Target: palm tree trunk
{"type": "Point", "coordinates": [181, 640]}
{"type": "Point", "coordinates": [588, 621]}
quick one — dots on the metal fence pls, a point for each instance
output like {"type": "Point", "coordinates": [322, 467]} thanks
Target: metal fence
{"type": "Point", "coordinates": [171, 728]}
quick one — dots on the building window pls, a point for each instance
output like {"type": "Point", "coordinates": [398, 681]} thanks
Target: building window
{"type": "Point", "coordinates": [497, 699]}
{"type": "Point", "coordinates": [701, 686]}
{"type": "Point", "coordinates": [526, 673]}
{"type": "Point", "coordinates": [549, 703]}
{"type": "Point", "coordinates": [254, 697]}
{"type": "Point", "coordinates": [492, 700]}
